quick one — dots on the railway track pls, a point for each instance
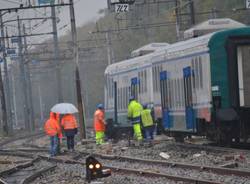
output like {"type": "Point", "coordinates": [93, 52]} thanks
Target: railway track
{"type": "Point", "coordinates": [159, 168]}
{"type": "Point", "coordinates": [173, 171]}
{"type": "Point", "coordinates": [26, 172]}
{"type": "Point", "coordinates": [29, 137]}
{"type": "Point", "coordinates": [147, 168]}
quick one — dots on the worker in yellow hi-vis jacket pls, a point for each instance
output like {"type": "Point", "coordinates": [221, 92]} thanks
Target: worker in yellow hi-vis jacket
{"type": "Point", "coordinates": [134, 114]}
{"type": "Point", "coordinates": [147, 122]}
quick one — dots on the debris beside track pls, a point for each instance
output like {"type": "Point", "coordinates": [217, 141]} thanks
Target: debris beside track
{"type": "Point", "coordinates": [192, 154]}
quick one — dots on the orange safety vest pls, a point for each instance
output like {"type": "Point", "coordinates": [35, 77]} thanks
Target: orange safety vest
{"type": "Point", "coordinates": [99, 120]}
{"type": "Point", "coordinates": [51, 126]}
{"type": "Point", "coordinates": [68, 122]}
{"type": "Point", "coordinates": [60, 135]}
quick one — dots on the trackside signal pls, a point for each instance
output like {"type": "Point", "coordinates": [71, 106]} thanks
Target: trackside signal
{"type": "Point", "coordinates": [95, 170]}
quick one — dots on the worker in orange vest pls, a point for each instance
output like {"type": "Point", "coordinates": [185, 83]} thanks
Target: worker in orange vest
{"type": "Point", "coordinates": [99, 124]}
{"type": "Point", "coordinates": [60, 135]}
{"type": "Point", "coordinates": [69, 126]}
{"type": "Point", "coordinates": [52, 129]}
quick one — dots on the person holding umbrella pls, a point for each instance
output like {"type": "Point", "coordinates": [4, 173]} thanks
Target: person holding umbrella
{"type": "Point", "coordinates": [68, 122]}
{"type": "Point", "coordinates": [69, 126]}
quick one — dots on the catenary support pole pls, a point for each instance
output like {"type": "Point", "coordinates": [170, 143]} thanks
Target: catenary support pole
{"type": "Point", "coordinates": [28, 81]}
{"type": "Point", "coordinates": [56, 55]}
{"type": "Point", "coordinates": [6, 75]}
{"type": "Point", "coordinates": [23, 77]}
{"type": "Point", "coordinates": [12, 111]}
{"type": "Point", "coordinates": [177, 24]}
{"type": "Point", "coordinates": [192, 12]}
{"type": "Point", "coordinates": [4, 124]}
{"type": "Point", "coordinates": [77, 75]}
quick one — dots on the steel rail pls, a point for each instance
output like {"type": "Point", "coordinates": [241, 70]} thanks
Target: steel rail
{"type": "Point", "coordinates": [153, 174]}
{"type": "Point", "coordinates": [134, 171]}
{"type": "Point", "coordinates": [3, 143]}
{"type": "Point", "coordinates": [217, 170]}
{"type": "Point", "coordinates": [2, 182]}
{"type": "Point", "coordinates": [18, 167]}
{"type": "Point", "coordinates": [17, 154]}
{"type": "Point", "coordinates": [37, 174]}
{"type": "Point", "coordinates": [25, 150]}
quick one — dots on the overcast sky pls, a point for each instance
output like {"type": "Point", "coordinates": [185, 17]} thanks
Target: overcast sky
{"type": "Point", "coordinates": [85, 11]}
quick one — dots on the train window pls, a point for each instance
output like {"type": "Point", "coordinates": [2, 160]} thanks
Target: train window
{"type": "Point", "coordinates": [124, 97]}
{"type": "Point", "coordinates": [179, 93]}
{"type": "Point", "coordinates": [122, 94]}
{"type": "Point", "coordinates": [169, 92]}
{"type": "Point", "coordinates": [193, 73]}
{"type": "Point", "coordinates": [118, 98]}
{"type": "Point", "coordinates": [197, 73]}
{"type": "Point", "coordinates": [140, 82]}
{"type": "Point", "coordinates": [108, 92]}
{"type": "Point", "coordinates": [153, 73]}
{"type": "Point", "coordinates": [183, 94]}
{"type": "Point", "coordinates": [111, 87]}
{"type": "Point", "coordinates": [145, 81]}
{"type": "Point", "coordinates": [158, 74]}
{"type": "Point", "coordinates": [174, 93]}
{"type": "Point", "coordinates": [200, 72]}
{"type": "Point", "coordinates": [157, 79]}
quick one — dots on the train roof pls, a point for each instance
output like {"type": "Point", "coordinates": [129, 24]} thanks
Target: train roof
{"type": "Point", "coordinates": [177, 49]}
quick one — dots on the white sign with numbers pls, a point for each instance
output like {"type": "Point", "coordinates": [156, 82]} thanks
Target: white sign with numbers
{"type": "Point", "coordinates": [248, 4]}
{"type": "Point", "coordinates": [121, 8]}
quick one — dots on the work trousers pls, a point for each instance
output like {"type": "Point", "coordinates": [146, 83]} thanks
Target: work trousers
{"type": "Point", "coordinates": [70, 142]}
{"type": "Point", "coordinates": [53, 145]}
{"type": "Point", "coordinates": [149, 132]}
{"type": "Point", "coordinates": [137, 131]}
{"type": "Point", "coordinates": [99, 136]}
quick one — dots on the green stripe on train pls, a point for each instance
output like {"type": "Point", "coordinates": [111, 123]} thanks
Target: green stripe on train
{"type": "Point", "coordinates": [218, 61]}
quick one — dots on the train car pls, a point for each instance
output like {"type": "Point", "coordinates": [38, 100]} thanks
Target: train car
{"type": "Point", "coordinates": [198, 86]}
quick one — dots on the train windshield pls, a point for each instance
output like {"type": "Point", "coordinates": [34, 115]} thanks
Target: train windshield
{"type": "Point", "coordinates": [243, 57]}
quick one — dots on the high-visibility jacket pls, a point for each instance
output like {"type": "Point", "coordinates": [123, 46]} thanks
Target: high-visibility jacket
{"type": "Point", "coordinates": [51, 126]}
{"type": "Point", "coordinates": [99, 119]}
{"type": "Point", "coordinates": [146, 118]}
{"type": "Point", "coordinates": [134, 109]}
{"type": "Point", "coordinates": [68, 122]}
{"type": "Point", "coordinates": [60, 135]}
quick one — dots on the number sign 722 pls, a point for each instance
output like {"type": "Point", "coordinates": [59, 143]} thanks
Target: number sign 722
{"type": "Point", "coordinates": [119, 8]}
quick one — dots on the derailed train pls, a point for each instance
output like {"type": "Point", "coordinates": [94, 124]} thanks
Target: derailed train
{"type": "Point", "coordinates": [200, 86]}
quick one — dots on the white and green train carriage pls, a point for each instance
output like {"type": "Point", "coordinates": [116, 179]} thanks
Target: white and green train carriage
{"type": "Point", "coordinates": [199, 86]}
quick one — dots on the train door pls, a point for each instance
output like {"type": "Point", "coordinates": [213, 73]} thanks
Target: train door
{"type": "Point", "coordinates": [134, 87]}
{"type": "Point", "coordinates": [167, 123]}
{"type": "Point", "coordinates": [189, 111]}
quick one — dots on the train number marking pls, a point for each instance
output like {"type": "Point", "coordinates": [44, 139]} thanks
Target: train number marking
{"type": "Point", "coordinates": [121, 8]}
